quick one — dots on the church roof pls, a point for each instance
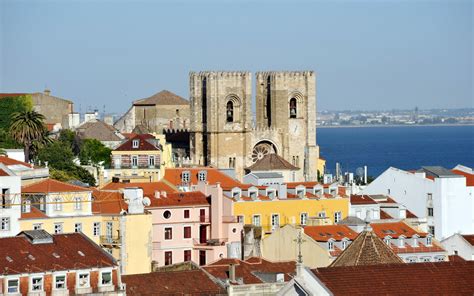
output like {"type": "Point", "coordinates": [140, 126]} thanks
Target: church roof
{"type": "Point", "coordinates": [96, 129]}
{"type": "Point", "coordinates": [366, 249]}
{"type": "Point", "coordinates": [272, 162]}
{"type": "Point", "coordinates": [164, 97]}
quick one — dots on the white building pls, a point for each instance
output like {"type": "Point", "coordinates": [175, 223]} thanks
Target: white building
{"type": "Point", "coordinates": [364, 207]}
{"type": "Point", "coordinates": [10, 208]}
{"type": "Point", "coordinates": [461, 245]}
{"type": "Point", "coordinates": [444, 197]}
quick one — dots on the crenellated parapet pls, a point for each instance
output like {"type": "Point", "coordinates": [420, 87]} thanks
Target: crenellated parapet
{"type": "Point", "coordinates": [284, 74]}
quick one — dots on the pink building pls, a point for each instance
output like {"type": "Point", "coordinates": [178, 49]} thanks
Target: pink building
{"type": "Point", "coordinates": [194, 226]}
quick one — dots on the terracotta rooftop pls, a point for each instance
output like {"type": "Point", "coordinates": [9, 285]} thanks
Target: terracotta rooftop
{"type": "Point", "coordinates": [362, 200]}
{"type": "Point", "coordinates": [97, 129]}
{"type": "Point", "coordinates": [149, 188]}
{"type": "Point", "coordinates": [246, 270]}
{"type": "Point", "coordinates": [324, 233]}
{"type": "Point", "coordinates": [292, 185]}
{"type": "Point", "coordinates": [213, 176]}
{"type": "Point", "coordinates": [469, 177]}
{"type": "Point", "coordinates": [384, 215]}
{"type": "Point", "coordinates": [51, 185]}
{"type": "Point", "coordinates": [164, 97]}
{"type": "Point", "coordinates": [11, 95]}
{"type": "Point", "coordinates": [395, 229]}
{"type": "Point", "coordinates": [64, 252]}
{"type": "Point", "coordinates": [33, 214]}
{"type": "Point", "coordinates": [469, 238]}
{"type": "Point", "coordinates": [189, 282]}
{"type": "Point", "coordinates": [180, 199]}
{"type": "Point", "coordinates": [272, 162]}
{"type": "Point", "coordinates": [143, 144]}
{"type": "Point", "coordinates": [3, 173]}
{"type": "Point", "coordinates": [366, 249]}
{"type": "Point", "coordinates": [440, 278]}
{"type": "Point", "coordinates": [108, 202]}
{"type": "Point", "coordinates": [10, 161]}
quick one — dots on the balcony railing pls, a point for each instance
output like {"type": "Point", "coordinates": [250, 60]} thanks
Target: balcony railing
{"type": "Point", "coordinates": [110, 240]}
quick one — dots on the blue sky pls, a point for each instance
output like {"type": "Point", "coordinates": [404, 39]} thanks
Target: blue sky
{"type": "Point", "coordinates": [367, 54]}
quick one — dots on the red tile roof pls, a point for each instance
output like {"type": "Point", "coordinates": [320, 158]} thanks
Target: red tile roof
{"type": "Point", "coordinates": [456, 258]}
{"type": "Point", "coordinates": [149, 188]}
{"type": "Point", "coordinates": [394, 230]}
{"type": "Point", "coordinates": [143, 144]}
{"type": "Point", "coordinates": [189, 282]}
{"type": "Point", "coordinates": [420, 249]}
{"type": "Point", "coordinates": [11, 95]}
{"type": "Point", "coordinates": [108, 202]}
{"type": "Point", "coordinates": [384, 215]}
{"type": "Point", "coordinates": [324, 233]}
{"type": "Point", "coordinates": [441, 278]}
{"type": "Point", "coordinates": [292, 185]}
{"type": "Point", "coordinates": [246, 269]}
{"type": "Point", "coordinates": [3, 173]}
{"type": "Point", "coordinates": [362, 200]}
{"type": "Point", "coordinates": [469, 238]}
{"type": "Point", "coordinates": [469, 177]}
{"type": "Point", "coordinates": [213, 176]}
{"type": "Point", "coordinates": [181, 199]}
{"type": "Point", "coordinates": [10, 161]}
{"type": "Point", "coordinates": [19, 255]}
{"type": "Point", "coordinates": [50, 185]}
{"type": "Point", "coordinates": [33, 214]}
{"type": "Point", "coordinates": [409, 214]}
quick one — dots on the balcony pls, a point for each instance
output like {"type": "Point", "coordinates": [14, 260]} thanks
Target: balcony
{"type": "Point", "coordinates": [106, 240]}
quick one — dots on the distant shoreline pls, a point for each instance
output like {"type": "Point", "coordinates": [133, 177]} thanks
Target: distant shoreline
{"type": "Point", "coordinates": [394, 125]}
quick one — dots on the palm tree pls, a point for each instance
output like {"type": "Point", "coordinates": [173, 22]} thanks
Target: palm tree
{"type": "Point", "coordinates": [27, 127]}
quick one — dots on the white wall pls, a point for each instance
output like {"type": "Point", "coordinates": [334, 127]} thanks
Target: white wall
{"type": "Point", "coordinates": [457, 243]}
{"type": "Point", "coordinates": [13, 183]}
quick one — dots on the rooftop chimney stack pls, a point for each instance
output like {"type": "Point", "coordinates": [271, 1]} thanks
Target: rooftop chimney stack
{"type": "Point", "coordinates": [47, 92]}
{"type": "Point", "coordinates": [157, 194]}
{"type": "Point", "coordinates": [232, 272]}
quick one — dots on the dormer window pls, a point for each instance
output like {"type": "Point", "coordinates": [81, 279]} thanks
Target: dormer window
{"type": "Point", "coordinates": [387, 241]}
{"type": "Point", "coordinates": [253, 194]}
{"type": "Point", "coordinates": [331, 245]}
{"type": "Point", "coordinates": [429, 241]}
{"type": "Point", "coordinates": [202, 176]}
{"type": "Point", "coordinates": [271, 194]}
{"type": "Point", "coordinates": [300, 193]}
{"type": "Point", "coordinates": [135, 143]}
{"type": "Point", "coordinates": [303, 218]}
{"type": "Point", "coordinates": [185, 176]}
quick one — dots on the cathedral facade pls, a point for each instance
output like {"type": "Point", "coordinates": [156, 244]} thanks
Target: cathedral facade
{"type": "Point", "coordinates": [224, 133]}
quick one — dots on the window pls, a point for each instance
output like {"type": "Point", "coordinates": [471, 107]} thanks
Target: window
{"type": "Point", "coordinates": [60, 282]}
{"type": "Point", "coordinates": [322, 214]}
{"type": "Point", "coordinates": [78, 227]}
{"type": "Point", "coordinates": [96, 230]}
{"type": "Point", "coordinates": [37, 284]}
{"type": "Point", "coordinates": [5, 223]}
{"type": "Point", "coordinates": [431, 230]}
{"type": "Point", "coordinates": [58, 206]}
{"type": "Point", "coordinates": [253, 194]}
{"type": "Point", "coordinates": [187, 255]}
{"type": "Point", "coordinates": [300, 193]}
{"type": "Point", "coordinates": [77, 203]}
{"type": "Point", "coordinates": [13, 286]}
{"type": "Point", "coordinates": [58, 228]}
{"type": "Point", "coordinates": [256, 220]}
{"type": "Point", "coordinates": [236, 194]}
{"type": "Point", "coordinates": [344, 244]}
{"type": "Point", "coordinates": [186, 214]}
{"type": "Point", "coordinates": [429, 241]}
{"type": "Point", "coordinates": [430, 212]}
{"type": "Point", "coordinates": [387, 241]}
{"type": "Point", "coordinates": [135, 143]}
{"type": "Point", "coordinates": [26, 206]}
{"type": "Point", "coordinates": [275, 220]}
{"type": "Point", "coordinates": [134, 161]}
{"type": "Point", "coordinates": [425, 259]}
{"type": "Point", "coordinates": [185, 177]}
{"type": "Point", "coordinates": [439, 258]}
{"type": "Point", "coordinates": [230, 111]}
{"type": "Point", "coordinates": [411, 259]}
{"type": "Point", "coordinates": [168, 233]}
{"type": "Point", "coordinates": [177, 112]}
{"type": "Point", "coordinates": [303, 218]}
{"type": "Point", "coordinates": [187, 231]}
{"type": "Point", "coordinates": [37, 226]}
{"type": "Point", "coordinates": [331, 245]}
{"type": "Point", "coordinates": [168, 258]}
{"type": "Point", "coordinates": [241, 219]}
{"type": "Point", "coordinates": [337, 217]}
{"type": "Point", "coordinates": [429, 196]}
{"type": "Point", "coordinates": [166, 214]}
{"type": "Point", "coordinates": [231, 162]}
{"type": "Point", "coordinates": [106, 278]}
{"type": "Point", "coordinates": [293, 108]}
{"type": "Point", "coordinates": [151, 160]}
{"type": "Point", "coordinates": [83, 280]}
{"type": "Point", "coordinates": [202, 176]}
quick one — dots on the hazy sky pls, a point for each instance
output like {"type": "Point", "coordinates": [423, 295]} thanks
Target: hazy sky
{"type": "Point", "coordinates": [367, 54]}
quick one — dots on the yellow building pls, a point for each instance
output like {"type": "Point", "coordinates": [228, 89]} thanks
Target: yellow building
{"type": "Point", "coordinates": [59, 207]}
{"type": "Point", "coordinates": [321, 166]}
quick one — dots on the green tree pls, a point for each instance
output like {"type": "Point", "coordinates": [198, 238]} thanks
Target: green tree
{"type": "Point", "coordinates": [70, 138]}
{"type": "Point", "coordinates": [94, 152]}
{"type": "Point", "coordinates": [27, 127]}
{"type": "Point", "coordinates": [8, 106]}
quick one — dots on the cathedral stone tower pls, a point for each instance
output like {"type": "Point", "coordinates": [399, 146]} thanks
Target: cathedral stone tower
{"type": "Point", "coordinates": [221, 118]}
{"type": "Point", "coordinates": [286, 103]}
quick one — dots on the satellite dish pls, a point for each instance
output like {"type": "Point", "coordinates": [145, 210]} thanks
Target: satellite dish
{"type": "Point", "coordinates": [360, 172]}
{"type": "Point", "coordinates": [146, 202]}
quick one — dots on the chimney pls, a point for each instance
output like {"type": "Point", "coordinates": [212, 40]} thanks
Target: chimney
{"type": "Point", "coordinates": [157, 194]}
{"type": "Point", "coordinates": [47, 92]}
{"type": "Point", "coordinates": [232, 273]}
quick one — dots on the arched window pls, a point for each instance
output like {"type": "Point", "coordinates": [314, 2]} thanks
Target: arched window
{"type": "Point", "coordinates": [230, 111]}
{"type": "Point", "coordinates": [293, 108]}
